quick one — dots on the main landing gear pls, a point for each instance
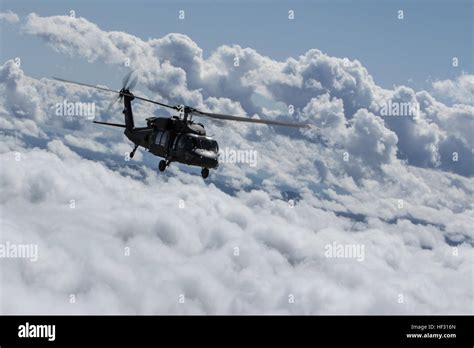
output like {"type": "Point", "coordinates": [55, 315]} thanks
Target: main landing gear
{"type": "Point", "coordinates": [162, 165]}
{"type": "Point", "coordinates": [133, 151]}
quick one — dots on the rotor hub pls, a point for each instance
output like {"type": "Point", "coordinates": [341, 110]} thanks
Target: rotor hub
{"type": "Point", "coordinates": [126, 93]}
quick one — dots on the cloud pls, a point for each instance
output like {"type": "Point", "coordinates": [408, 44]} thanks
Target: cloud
{"type": "Point", "coordinates": [86, 256]}
{"type": "Point", "coordinates": [455, 126]}
{"type": "Point", "coordinates": [235, 244]}
{"type": "Point", "coordinates": [69, 35]}
{"type": "Point", "coordinates": [369, 140]}
{"type": "Point", "coordinates": [23, 100]}
{"type": "Point", "coordinates": [174, 68]}
{"type": "Point", "coordinates": [9, 17]}
{"type": "Point", "coordinates": [460, 90]}
{"type": "Point", "coordinates": [418, 137]}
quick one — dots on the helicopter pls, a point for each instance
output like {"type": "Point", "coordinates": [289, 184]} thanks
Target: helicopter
{"type": "Point", "coordinates": [177, 138]}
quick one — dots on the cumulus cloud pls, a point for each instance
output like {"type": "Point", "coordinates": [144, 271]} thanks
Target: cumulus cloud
{"type": "Point", "coordinates": [9, 17]}
{"type": "Point", "coordinates": [23, 100]}
{"type": "Point", "coordinates": [369, 140]}
{"type": "Point", "coordinates": [173, 67]}
{"type": "Point", "coordinates": [124, 239]}
{"type": "Point", "coordinates": [77, 34]}
{"type": "Point", "coordinates": [460, 90]}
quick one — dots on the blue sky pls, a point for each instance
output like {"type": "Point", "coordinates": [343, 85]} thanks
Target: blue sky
{"type": "Point", "coordinates": [414, 51]}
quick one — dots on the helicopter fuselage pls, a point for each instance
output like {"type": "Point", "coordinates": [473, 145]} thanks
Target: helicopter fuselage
{"type": "Point", "coordinates": [176, 140]}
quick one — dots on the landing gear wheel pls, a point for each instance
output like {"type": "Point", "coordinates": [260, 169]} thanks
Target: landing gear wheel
{"type": "Point", "coordinates": [204, 173]}
{"type": "Point", "coordinates": [133, 151]}
{"type": "Point", "coordinates": [162, 166]}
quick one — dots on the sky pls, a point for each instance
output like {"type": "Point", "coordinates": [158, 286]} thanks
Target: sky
{"type": "Point", "coordinates": [414, 51]}
{"type": "Point", "coordinates": [370, 214]}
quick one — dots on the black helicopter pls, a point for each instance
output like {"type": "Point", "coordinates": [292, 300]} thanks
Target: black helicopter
{"type": "Point", "coordinates": [176, 138]}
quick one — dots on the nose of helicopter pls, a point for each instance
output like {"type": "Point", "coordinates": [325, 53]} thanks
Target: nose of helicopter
{"type": "Point", "coordinates": [208, 159]}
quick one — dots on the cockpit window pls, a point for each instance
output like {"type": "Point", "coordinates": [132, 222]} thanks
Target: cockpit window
{"type": "Point", "coordinates": [192, 142]}
{"type": "Point", "coordinates": [207, 144]}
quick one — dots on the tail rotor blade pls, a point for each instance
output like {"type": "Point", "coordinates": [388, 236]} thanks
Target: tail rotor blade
{"type": "Point", "coordinates": [126, 79]}
{"type": "Point", "coordinates": [130, 80]}
{"type": "Point", "coordinates": [112, 103]}
{"type": "Point", "coordinates": [132, 83]}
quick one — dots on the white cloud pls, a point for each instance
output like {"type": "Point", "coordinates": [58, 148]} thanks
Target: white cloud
{"type": "Point", "coordinates": [9, 17]}
{"type": "Point", "coordinates": [69, 35]}
{"type": "Point", "coordinates": [281, 249]}
{"type": "Point", "coordinates": [460, 90]}
{"type": "Point", "coordinates": [174, 67]}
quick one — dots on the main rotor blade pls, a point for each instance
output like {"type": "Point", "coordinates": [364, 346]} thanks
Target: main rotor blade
{"type": "Point", "coordinates": [154, 102]}
{"type": "Point", "coordinates": [195, 111]}
{"type": "Point", "coordinates": [251, 120]}
{"type": "Point", "coordinates": [85, 85]}
{"type": "Point", "coordinates": [111, 124]}
{"type": "Point", "coordinates": [118, 92]}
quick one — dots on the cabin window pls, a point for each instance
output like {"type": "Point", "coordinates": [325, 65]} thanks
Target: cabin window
{"type": "Point", "coordinates": [158, 137]}
{"type": "Point", "coordinates": [176, 141]}
{"type": "Point", "coordinates": [164, 138]}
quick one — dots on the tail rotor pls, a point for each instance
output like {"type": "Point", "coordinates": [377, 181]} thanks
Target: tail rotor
{"type": "Point", "coordinates": [129, 82]}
